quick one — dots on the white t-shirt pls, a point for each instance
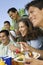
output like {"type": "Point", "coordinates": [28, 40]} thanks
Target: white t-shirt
{"type": "Point", "coordinates": [13, 34]}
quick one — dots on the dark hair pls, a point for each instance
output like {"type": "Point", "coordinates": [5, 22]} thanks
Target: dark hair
{"type": "Point", "coordinates": [12, 9]}
{"type": "Point", "coordinates": [33, 32]}
{"type": "Point", "coordinates": [26, 21]}
{"type": "Point", "coordinates": [5, 31]}
{"type": "Point", "coordinates": [36, 3]}
{"type": "Point", "coordinates": [7, 22]}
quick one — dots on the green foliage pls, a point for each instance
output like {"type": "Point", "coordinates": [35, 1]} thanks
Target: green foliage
{"type": "Point", "coordinates": [22, 12]}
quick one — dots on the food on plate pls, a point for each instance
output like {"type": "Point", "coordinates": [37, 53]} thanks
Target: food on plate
{"type": "Point", "coordinates": [17, 51]}
{"type": "Point", "coordinates": [20, 58]}
{"type": "Point", "coordinates": [30, 54]}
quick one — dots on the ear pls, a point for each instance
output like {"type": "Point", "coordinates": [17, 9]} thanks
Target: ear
{"type": "Point", "coordinates": [16, 12]}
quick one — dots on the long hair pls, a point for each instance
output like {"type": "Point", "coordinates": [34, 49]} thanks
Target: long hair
{"type": "Point", "coordinates": [33, 32]}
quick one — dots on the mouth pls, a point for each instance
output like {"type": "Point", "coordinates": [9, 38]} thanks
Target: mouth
{"type": "Point", "coordinates": [33, 19]}
{"type": "Point", "coordinates": [3, 40]}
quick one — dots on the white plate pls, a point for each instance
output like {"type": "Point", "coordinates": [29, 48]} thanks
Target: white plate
{"type": "Point", "coordinates": [16, 59]}
{"type": "Point", "coordinates": [35, 55]}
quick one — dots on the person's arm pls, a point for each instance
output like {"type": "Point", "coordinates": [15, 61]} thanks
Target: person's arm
{"type": "Point", "coordinates": [28, 47]}
{"type": "Point", "coordinates": [36, 50]}
{"type": "Point", "coordinates": [33, 62]}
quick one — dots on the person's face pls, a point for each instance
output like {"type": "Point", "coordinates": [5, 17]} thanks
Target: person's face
{"type": "Point", "coordinates": [13, 15]}
{"type": "Point", "coordinates": [4, 38]}
{"type": "Point", "coordinates": [7, 26]}
{"type": "Point", "coordinates": [36, 16]}
{"type": "Point", "coordinates": [22, 28]}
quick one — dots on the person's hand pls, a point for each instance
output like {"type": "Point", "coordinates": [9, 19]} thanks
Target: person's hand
{"type": "Point", "coordinates": [13, 48]}
{"type": "Point", "coordinates": [33, 62]}
{"type": "Point", "coordinates": [17, 32]}
{"type": "Point", "coordinates": [25, 45]}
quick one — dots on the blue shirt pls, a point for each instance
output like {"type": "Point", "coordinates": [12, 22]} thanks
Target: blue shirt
{"type": "Point", "coordinates": [37, 43]}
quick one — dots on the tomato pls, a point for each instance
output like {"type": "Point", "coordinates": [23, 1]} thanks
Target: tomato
{"type": "Point", "coordinates": [17, 51]}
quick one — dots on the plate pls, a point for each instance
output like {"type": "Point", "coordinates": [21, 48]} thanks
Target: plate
{"type": "Point", "coordinates": [21, 58]}
{"type": "Point", "coordinates": [35, 56]}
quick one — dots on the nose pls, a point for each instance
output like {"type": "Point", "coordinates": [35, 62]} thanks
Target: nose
{"type": "Point", "coordinates": [11, 16]}
{"type": "Point", "coordinates": [30, 16]}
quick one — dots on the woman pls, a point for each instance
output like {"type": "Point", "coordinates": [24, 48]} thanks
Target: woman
{"type": "Point", "coordinates": [32, 36]}
{"type": "Point", "coordinates": [29, 35]}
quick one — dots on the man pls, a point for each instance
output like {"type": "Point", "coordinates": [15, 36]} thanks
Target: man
{"type": "Point", "coordinates": [7, 25]}
{"type": "Point", "coordinates": [14, 15]}
{"type": "Point", "coordinates": [5, 44]}
{"type": "Point", "coordinates": [12, 34]}
{"type": "Point", "coordinates": [35, 11]}
{"type": "Point", "coordinates": [4, 35]}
